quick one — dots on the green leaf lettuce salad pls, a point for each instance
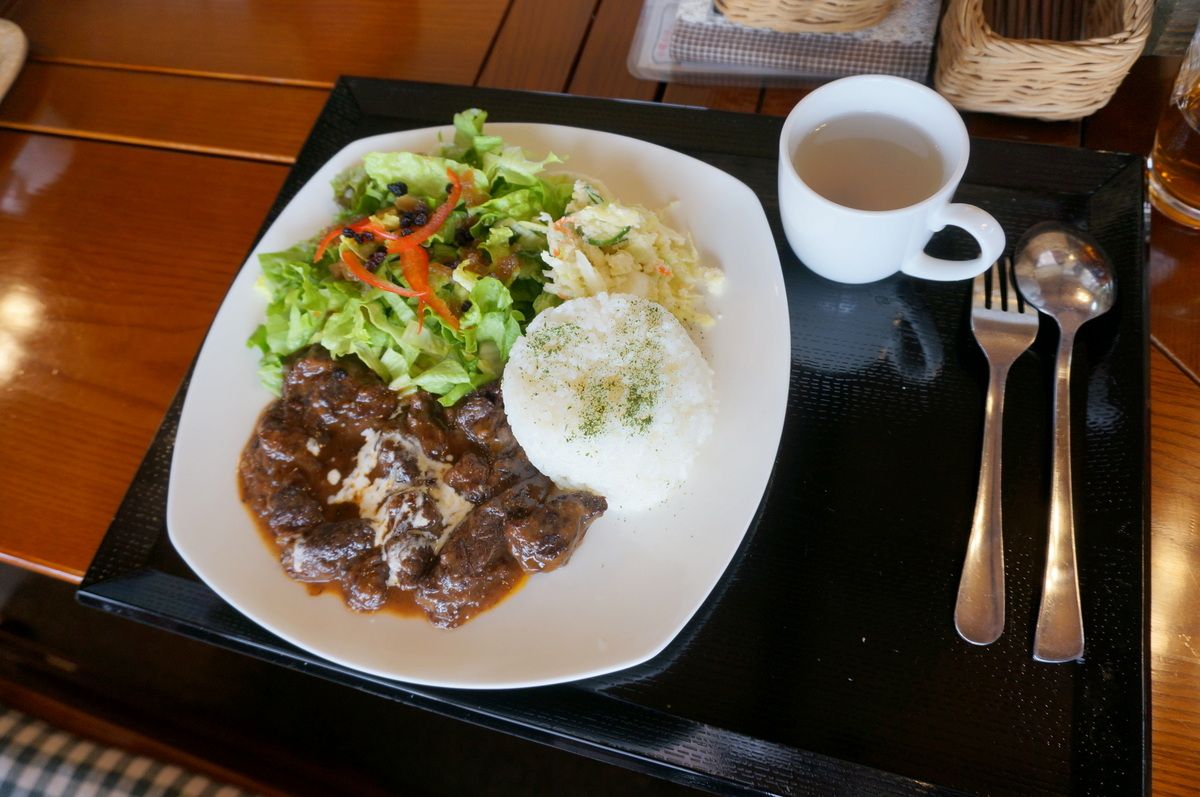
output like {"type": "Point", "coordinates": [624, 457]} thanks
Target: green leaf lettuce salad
{"type": "Point", "coordinates": [484, 266]}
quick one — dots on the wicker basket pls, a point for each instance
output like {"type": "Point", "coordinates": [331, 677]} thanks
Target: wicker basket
{"type": "Point", "coordinates": [795, 16]}
{"type": "Point", "coordinates": [978, 70]}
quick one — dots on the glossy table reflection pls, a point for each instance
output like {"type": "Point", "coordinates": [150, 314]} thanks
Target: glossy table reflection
{"type": "Point", "coordinates": [125, 211]}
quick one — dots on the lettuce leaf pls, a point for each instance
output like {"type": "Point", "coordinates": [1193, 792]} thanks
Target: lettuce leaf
{"type": "Point", "coordinates": [307, 304]}
{"type": "Point", "coordinates": [497, 244]}
{"type": "Point", "coordinates": [512, 166]}
{"type": "Point", "coordinates": [425, 175]}
{"type": "Point", "coordinates": [492, 316]}
{"type": "Point", "coordinates": [520, 205]}
{"type": "Point", "coordinates": [443, 377]}
{"type": "Point", "coordinates": [357, 193]}
{"type": "Point", "coordinates": [512, 177]}
{"type": "Point", "coordinates": [470, 143]}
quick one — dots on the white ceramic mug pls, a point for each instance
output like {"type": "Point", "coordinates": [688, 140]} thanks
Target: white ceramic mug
{"type": "Point", "coordinates": [855, 246]}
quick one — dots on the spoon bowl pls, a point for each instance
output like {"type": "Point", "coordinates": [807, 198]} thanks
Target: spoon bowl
{"type": "Point", "coordinates": [1063, 274]}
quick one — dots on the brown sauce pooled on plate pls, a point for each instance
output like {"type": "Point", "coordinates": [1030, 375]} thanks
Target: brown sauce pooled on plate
{"type": "Point", "coordinates": [399, 502]}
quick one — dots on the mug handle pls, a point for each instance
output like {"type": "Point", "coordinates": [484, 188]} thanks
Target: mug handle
{"type": "Point", "coordinates": [982, 227]}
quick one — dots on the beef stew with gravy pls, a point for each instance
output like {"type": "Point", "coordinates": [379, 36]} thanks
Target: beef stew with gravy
{"type": "Point", "coordinates": [398, 501]}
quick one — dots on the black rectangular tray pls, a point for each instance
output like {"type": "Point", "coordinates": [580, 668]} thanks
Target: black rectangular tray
{"type": "Point", "coordinates": [826, 659]}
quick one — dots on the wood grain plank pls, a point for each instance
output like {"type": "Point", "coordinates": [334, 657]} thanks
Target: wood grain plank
{"type": "Point", "coordinates": [986, 125]}
{"type": "Point", "coordinates": [725, 98]}
{"type": "Point", "coordinates": [559, 29]}
{"type": "Point", "coordinates": [239, 119]}
{"type": "Point", "coordinates": [1175, 291]}
{"type": "Point", "coordinates": [1175, 587]}
{"type": "Point", "coordinates": [601, 71]}
{"type": "Point", "coordinates": [311, 42]}
{"type": "Point", "coordinates": [781, 101]}
{"type": "Point", "coordinates": [100, 317]}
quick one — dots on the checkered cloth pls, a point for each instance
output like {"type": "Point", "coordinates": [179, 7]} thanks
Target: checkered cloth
{"type": "Point", "coordinates": [902, 44]}
{"type": "Point", "coordinates": [39, 760]}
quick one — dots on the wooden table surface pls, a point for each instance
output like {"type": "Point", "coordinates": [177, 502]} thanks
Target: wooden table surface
{"type": "Point", "coordinates": [143, 143]}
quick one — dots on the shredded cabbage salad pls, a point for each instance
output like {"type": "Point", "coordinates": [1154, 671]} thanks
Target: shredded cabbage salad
{"type": "Point", "coordinates": [601, 245]}
{"type": "Point", "coordinates": [435, 263]}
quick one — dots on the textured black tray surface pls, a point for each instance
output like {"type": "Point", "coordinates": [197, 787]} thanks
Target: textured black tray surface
{"type": "Point", "coordinates": [826, 659]}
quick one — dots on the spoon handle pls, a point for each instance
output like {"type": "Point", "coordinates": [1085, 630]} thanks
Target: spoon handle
{"type": "Point", "coordinates": [1059, 635]}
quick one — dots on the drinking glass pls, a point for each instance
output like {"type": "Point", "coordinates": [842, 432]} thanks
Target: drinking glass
{"type": "Point", "coordinates": [1175, 160]}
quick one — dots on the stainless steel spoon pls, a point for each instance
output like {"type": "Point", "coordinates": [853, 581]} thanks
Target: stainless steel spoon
{"type": "Point", "coordinates": [1063, 274]}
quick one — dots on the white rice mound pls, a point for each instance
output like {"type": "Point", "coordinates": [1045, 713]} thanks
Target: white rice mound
{"type": "Point", "coordinates": [609, 394]}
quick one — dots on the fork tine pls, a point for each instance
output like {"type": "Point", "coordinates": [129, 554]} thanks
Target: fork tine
{"type": "Point", "coordinates": [1007, 284]}
{"type": "Point", "coordinates": [1023, 307]}
{"type": "Point", "coordinates": [979, 291]}
{"type": "Point", "coordinates": [997, 295]}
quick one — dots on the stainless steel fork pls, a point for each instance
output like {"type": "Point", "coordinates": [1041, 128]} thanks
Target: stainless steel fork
{"type": "Point", "coordinates": [1004, 327]}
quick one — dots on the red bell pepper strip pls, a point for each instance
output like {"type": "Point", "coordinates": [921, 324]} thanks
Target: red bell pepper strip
{"type": "Point", "coordinates": [325, 242]}
{"type": "Point", "coordinates": [364, 223]}
{"type": "Point", "coordinates": [400, 243]}
{"type": "Point", "coordinates": [414, 264]}
{"type": "Point", "coordinates": [414, 260]}
{"type": "Point", "coordinates": [421, 234]}
{"type": "Point", "coordinates": [379, 232]}
{"type": "Point", "coordinates": [355, 266]}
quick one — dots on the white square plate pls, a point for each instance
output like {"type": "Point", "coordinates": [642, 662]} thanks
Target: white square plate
{"type": "Point", "coordinates": [639, 576]}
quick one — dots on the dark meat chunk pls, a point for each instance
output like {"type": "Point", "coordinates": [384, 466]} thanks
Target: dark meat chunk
{"type": "Point", "coordinates": [469, 477]}
{"type": "Point", "coordinates": [364, 582]}
{"type": "Point", "coordinates": [422, 418]}
{"type": "Point", "coordinates": [511, 470]}
{"type": "Point", "coordinates": [526, 496]}
{"type": "Point", "coordinates": [481, 416]}
{"type": "Point", "coordinates": [409, 555]}
{"type": "Point", "coordinates": [298, 564]}
{"type": "Point", "coordinates": [474, 570]}
{"type": "Point", "coordinates": [325, 392]}
{"type": "Point", "coordinates": [414, 525]}
{"type": "Point", "coordinates": [285, 503]}
{"type": "Point", "coordinates": [412, 510]}
{"type": "Point", "coordinates": [475, 406]}
{"type": "Point", "coordinates": [395, 462]}
{"type": "Point", "coordinates": [292, 508]}
{"type": "Point", "coordinates": [275, 472]}
{"type": "Point", "coordinates": [323, 552]}
{"type": "Point", "coordinates": [544, 538]}
{"type": "Point", "coordinates": [281, 440]}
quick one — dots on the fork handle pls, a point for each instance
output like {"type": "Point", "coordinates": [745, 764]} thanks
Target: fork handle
{"type": "Point", "coordinates": [1059, 635]}
{"type": "Point", "coordinates": [979, 613]}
